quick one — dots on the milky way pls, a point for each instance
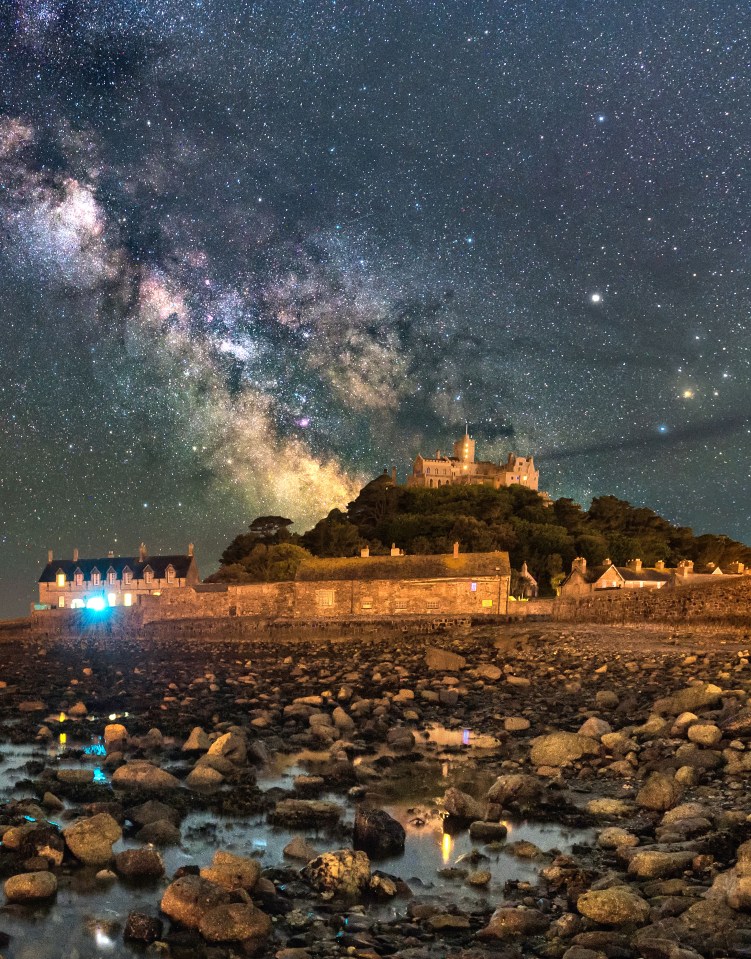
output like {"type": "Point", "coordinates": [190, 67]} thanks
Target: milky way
{"type": "Point", "coordinates": [253, 253]}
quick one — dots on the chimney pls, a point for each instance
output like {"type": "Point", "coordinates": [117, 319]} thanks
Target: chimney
{"type": "Point", "coordinates": [191, 549]}
{"type": "Point", "coordinates": [110, 554]}
{"type": "Point", "coordinates": [75, 555]}
{"type": "Point", "coordinates": [49, 556]}
{"type": "Point", "coordinates": [607, 562]}
{"type": "Point", "coordinates": [395, 551]}
{"type": "Point", "coordinates": [634, 565]}
{"type": "Point", "coordinates": [365, 552]}
{"type": "Point", "coordinates": [142, 553]}
{"type": "Point", "coordinates": [580, 563]}
{"type": "Point", "coordinates": [660, 565]}
{"type": "Point", "coordinates": [456, 549]}
{"type": "Point", "coordinates": [393, 475]}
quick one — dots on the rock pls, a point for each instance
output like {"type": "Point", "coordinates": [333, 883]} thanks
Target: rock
{"type": "Point", "coordinates": [654, 864]}
{"type": "Point", "coordinates": [378, 833]}
{"type": "Point", "coordinates": [461, 805]}
{"type": "Point", "coordinates": [659, 792]}
{"type": "Point", "coordinates": [616, 906]}
{"type": "Point", "coordinates": [204, 779]}
{"type": "Point", "coordinates": [690, 699]}
{"type": "Point", "coordinates": [75, 776]}
{"type": "Point", "coordinates": [517, 791]}
{"type": "Point", "coordinates": [615, 838]}
{"type": "Point", "coordinates": [235, 922]}
{"type": "Point", "coordinates": [197, 742]}
{"type": "Point", "coordinates": [516, 724]}
{"type": "Point", "coordinates": [160, 833]}
{"type": "Point", "coordinates": [559, 749]}
{"type": "Point", "coordinates": [231, 746]}
{"type": "Point", "coordinates": [509, 922]}
{"type": "Point", "coordinates": [188, 899]}
{"type": "Point", "coordinates": [606, 699]}
{"type": "Point", "coordinates": [297, 848]}
{"type": "Point", "coordinates": [444, 661]}
{"type": "Point", "coordinates": [152, 811]}
{"type": "Point", "coordinates": [342, 720]}
{"type": "Point", "coordinates": [401, 739]}
{"type": "Point", "coordinates": [78, 711]}
{"type": "Point", "coordinates": [480, 878]}
{"type": "Point", "coordinates": [141, 774]}
{"type": "Point", "coordinates": [142, 928]}
{"type": "Point", "coordinates": [297, 813]}
{"type": "Point", "coordinates": [482, 831]}
{"type": "Point", "coordinates": [447, 920]}
{"type": "Point", "coordinates": [232, 872]}
{"type": "Point", "coordinates": [115, 736]}
{"type": "Point", "coordinates": [141, 863]}
{"type": "Point", "coordinates": [343, 872]}
{"type": "Point", "coordinates": [90, 840]}
{"type": "Point", "coordinates": [610, 808]}
{"type": "Point", "coordinates": [489, 671]}
{"type": "Point", "coordinates": [705, 734]}
{"type": "Point", "coordinates": [594, 727]}
{"type": "Point", "coordinates": [30, 886]}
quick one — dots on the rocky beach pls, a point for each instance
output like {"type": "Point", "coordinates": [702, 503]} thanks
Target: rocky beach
{"type": "Point", "coordinates": [556, 790]}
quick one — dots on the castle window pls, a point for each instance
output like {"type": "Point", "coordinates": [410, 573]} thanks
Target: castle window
{"type": "Point", "coordinates": [61, 602]}
{"type": "Point", "coordinates": [148, 575]}
{"type": "Point", "coordinates": [78, 578]}
{"type": "Point", "coordinates": [96, 577]}
{"type": "Point", "coordinates": [60, 580]}
{"type": "Point", "coordinates": [127, 576]}
{"type": "Point", "coordinates": [432, 605]}
{"type": "Point", "coordinates": [367, 602]}
{"type": "Point", "coordinates": [112, 599]}
{"type": "Point", "coordinates": [111, 577]}
{"type": "Point", "coordinates": [170, 574]}
{"type": "Point", "coordinates": [127, 599]}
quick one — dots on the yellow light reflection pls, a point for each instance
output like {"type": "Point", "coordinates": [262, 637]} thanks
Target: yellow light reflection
{"type": "Point", "coordinates": [61, 718]}
{"type": "Point", "coordinates": [63, 738]}
{"type": "Point", "coordinates": [447, 844]}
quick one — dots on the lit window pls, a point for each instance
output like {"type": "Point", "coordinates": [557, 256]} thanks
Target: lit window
{"type": "Point", "coordinates": [111, 577]}
{"type": "Point", "coordinates": [96, 603]}
{"type": "Point", "coordinates": [487, 602]}
{"type": "Point", "coordinates": [325, 597]}
{"type": "Point", "coordinates": [170, 574]}
{"type": "Point", "coordinates": [127, 599]}
{"type": "Point", "coordinates": [127, 575]}
{"type": "Point", "coordinates": [473, 587]}
{"type": "Point", "coordinates": [61, 602]}
{"type": "Point", "coordinates": [112, 599]}
{"type": "Point", "coordinates": [77, 604]}
{"type": "Point", "coordinates": [60, 580]}
{"type": "Point", "coordinates": [78, 578]}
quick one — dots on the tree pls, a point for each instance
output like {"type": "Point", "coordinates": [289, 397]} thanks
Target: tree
{"type": "Point", "coordinates": [270, 529]}
{"type": "Point", "coordinates": [264, 564]}
{"type": "Point", "coordinates": [333, 536]}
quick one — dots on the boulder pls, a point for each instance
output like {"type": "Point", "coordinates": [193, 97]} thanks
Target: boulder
{"type": "Point", "coordinates": [90, 840]}
{"type": "Point", "coordinates": [188, 899]}
{"type": "Point", "coordinates": [615, 838]}
{"type": "Point", "coordinates": [343, 872]}
{"type": "Point", "coordinates": [690, 699]}
{"type": "Point", "coordinates": [204, 779]}
{"type": "Point", "coordinates": [161, 833]}
{"type": "Point", "coordinates": [655, 864]}
{"type": "Point", "coordinates": [297, 848]}
{"type": "Point", "coordinates": [659, 793]}
{"type": "Point", "coordinates": [235, 922]}
{"type": "Point", "coordinates": [482, 831]}
{"type": "Point", "coordinates": [30, 886]}
{"type": "Point", "coordinates": [616, 906]}
{"type": "Point", "coordinates": [297, 813]}
{"type": "Point", "coordinates": [144, 863]}
{"type": "Point", "coordinates": [517, 791]}
{"type": "Point", "coordinates": [489, 671]}
{"type": "Point", "coordinates": [559, 749]}
{"type": "Point", "coordinates": [461, 805]}
{"type": "Point", "coordinates": [704, 734]}
{"type": "Point", "coordinates": [115, 736]}
{"type": "Point", "coordinates": [378, 833]}
{"type": "Point", "coordinates": [141, 774]}
{"type": "Point", "coordinates": [197, 742]}
{"type": "Point", "coordinates": [140, 927]}
{"type": "Point", "coordinates": [232, 872]}
{"type": "Point", "coordinates": [511, 923]}
{"type": "Point", "coordinates": [444, 661]}
{"type": "Point", "coordinates": [231, 746]}
{"type": "Point", "coordinates": [594, 727]}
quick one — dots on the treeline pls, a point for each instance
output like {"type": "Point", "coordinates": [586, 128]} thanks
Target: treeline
{"type": "Point", "coordinates": [545, 536]}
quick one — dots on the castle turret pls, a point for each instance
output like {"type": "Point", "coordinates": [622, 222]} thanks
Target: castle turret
{"type": "Point", "coordinates": [464, 449]}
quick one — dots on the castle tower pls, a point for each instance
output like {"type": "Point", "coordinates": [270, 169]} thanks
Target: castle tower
{"type": "Point", "coordinates": [464, 449]}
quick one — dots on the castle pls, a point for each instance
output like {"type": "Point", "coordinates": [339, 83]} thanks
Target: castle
{"type": "Point", "coordinates": [463, 468]}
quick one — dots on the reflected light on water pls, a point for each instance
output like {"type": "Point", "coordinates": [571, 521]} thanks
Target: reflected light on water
{"type": "Point", "coordinates": [61, 718]}
{"type": "Point", "coordinates": [63, 738]}
{"type": "Point", "coordinates": [444, 770]}
{"type": "Point", "coordinates": [447, 844]}
{"type": "Point", "coordinates": [103, 941]}
{"type": "Point", "coordinates": [466, 733]}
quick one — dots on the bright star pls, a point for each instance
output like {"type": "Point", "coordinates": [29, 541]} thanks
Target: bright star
{"type": "Point", "coordinates": [596, 297]}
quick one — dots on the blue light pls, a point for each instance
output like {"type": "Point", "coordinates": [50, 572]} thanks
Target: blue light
{"type": "Point", "coordinates": [96, 603]}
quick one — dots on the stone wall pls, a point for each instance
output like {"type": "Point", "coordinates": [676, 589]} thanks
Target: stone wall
{"type": "Point", "coordinates": [723, 603]}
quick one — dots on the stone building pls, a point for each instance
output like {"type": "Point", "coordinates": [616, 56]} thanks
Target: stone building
{"type": "Point", "coordinates": [585, 579]}
{"type": "Point", "coordinates": [463, 468]}
{"type": "Point", "coordinates": [113, 580]}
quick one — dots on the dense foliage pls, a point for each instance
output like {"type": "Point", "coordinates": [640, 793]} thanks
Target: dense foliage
{"type": "Point", "coordinates": [515, 519]}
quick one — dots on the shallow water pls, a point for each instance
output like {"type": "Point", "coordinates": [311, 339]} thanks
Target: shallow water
{"type": "Point", "coordinates": [86, 919]}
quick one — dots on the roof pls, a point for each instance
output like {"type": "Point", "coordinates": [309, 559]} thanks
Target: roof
{"type": "Point", "coordinates": [646, 575]}
{"type": "Point", "coordinates": [103, 564]}
{"type": "Point", "coordinates": [466, 566]}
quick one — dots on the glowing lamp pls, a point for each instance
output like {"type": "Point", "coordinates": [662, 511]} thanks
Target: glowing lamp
{"type": "Point", "coordinates": [96, 603]}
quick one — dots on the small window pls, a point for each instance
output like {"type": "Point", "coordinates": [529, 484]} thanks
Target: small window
{"type": "Point", "coordinates": [325, 597]}
{"type": "Point", "coordinates": [60, 580]}
{"type": "Point", "coordinates": [127, 576]}
{"type": "Point", "coordinates": [111, 577]}
{"type": "Point", "coordinates": [400, 606]}
{"type": "Point", "coordinates": [78, 578]}
{"type": "Point", "coordinates": [112, 599]}
{"type": "Point", "coordinates": [432, 605]}
{"type": "Point", "coordinates": [61, 602]}
{"type": "Point", "coordinates": [473, 587]}
{"type": "Point", "coordinates": [487, 603]}
{"type": "Point", "coordinates": [170, 574]}
{"type": "Point", "coordinates": [367, 602]}
{"type": "Point", "coordinates": [96, 577]}
{"type": "Point", "coordinates": [148, 576]}
{"type": "Point", "coordinates": [127, 599]}
{"type": "Point", "coordinates": [77, 604]}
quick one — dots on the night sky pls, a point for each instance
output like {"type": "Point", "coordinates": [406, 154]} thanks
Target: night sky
{"type": "Point", "coordinates": [253, 253]}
